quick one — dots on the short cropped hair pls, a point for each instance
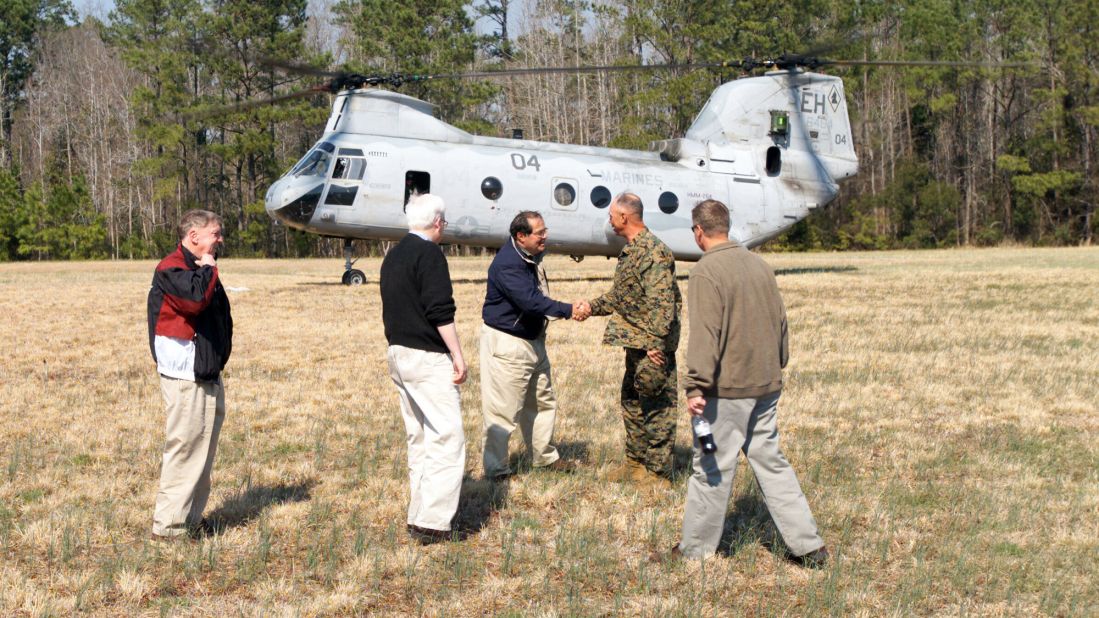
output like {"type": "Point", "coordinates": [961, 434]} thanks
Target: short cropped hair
{"type": "Point", "coordinates": [423, 210]}
{"type": "Point", "coordinates": [631, 203]}
{"type": "Point", "coordinates": [521, 223]}
{"type": "Point", "coordinates": [196, 218]}
{"type": "Point", "coordinates": [712, 216]}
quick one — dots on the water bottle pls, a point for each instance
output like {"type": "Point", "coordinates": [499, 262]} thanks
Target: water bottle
{"type": "Point", "coordinates": [704, 434]}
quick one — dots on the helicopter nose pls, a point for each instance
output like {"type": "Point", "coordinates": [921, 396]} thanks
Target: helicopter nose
{"type": "Point", "coordinates": [293, 204]}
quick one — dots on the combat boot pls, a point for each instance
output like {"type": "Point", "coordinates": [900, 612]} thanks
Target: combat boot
{"type": "Point", "coordinates": [648, 479]}
{"type": "Point", "coordinates": [628, 471]}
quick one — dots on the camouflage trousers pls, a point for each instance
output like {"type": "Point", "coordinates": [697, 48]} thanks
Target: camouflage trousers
{"type": "Point", "coordinates": [648, 410]}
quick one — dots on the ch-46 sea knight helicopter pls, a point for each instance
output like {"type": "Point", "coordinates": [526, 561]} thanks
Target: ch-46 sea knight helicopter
{"type": "Point", "coordinates": [773, 147]}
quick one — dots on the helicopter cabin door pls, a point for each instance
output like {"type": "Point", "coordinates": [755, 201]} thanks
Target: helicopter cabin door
{"type": "Point", "coordinates": [348, 174]}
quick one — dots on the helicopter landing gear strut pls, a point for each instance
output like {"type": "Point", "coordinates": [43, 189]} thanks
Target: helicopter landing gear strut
{"type": "Point", "coordinates": [351, 276]}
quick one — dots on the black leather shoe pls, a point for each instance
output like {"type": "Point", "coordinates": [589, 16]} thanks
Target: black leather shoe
{"type": "Point", "coordinates": [202, 529]}
{"type": "Point", "coordinates": [815, 559]}
{"type": "Point", "coordinates": [427, 536]}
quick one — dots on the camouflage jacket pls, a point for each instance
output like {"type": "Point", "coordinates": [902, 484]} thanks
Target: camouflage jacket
{"type": "Point", "coordinates": [644, 297]}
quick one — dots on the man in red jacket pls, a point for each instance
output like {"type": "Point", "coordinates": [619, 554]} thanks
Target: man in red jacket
{"type": "Point", "coordinates": [191, 337]}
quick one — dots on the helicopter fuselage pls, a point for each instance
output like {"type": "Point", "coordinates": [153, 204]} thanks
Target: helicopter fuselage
{"type": "Point", "coordinates": [381, 147]}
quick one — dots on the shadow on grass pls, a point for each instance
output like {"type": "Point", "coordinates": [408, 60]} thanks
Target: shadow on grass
{"type": "Point", "coordinates": [480, 500]}
{"type": "Point", "coordinates": [808, 270]}
{"type": "Point", "coordinates": [747, 523]}
{"type": "Point", "coordinates": [682, 457]}
{"type": "Point", "coordinates": [577, 452]}
{"type": "Point", "coordinates": [247, 505]}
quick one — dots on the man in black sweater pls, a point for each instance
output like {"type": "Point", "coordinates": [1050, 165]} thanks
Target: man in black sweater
{"type": "Point", "coordinates": [426, 365]}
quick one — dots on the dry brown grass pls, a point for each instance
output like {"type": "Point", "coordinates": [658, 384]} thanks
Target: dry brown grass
{"type": "Point", "coordinates": [940, 411]}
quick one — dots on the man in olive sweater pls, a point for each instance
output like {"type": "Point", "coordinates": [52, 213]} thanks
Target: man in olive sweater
{"type": "Point", "coordinates": [735, 356]}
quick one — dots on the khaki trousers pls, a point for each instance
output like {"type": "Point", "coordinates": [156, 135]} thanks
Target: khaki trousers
{"type": "Point", "coordinates": [746, 425]}
{"type": "Point", "coordinates": [515, 388]}
{"type": "Point", "coordinates": [196, 411]}
{"type": "Point", "coordinates": [432, 413]}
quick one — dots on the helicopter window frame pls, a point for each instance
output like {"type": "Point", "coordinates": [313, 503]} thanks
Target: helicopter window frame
{"type": "Point", "coordinates": [668, 202]}
{"type": "Point", "coordinates": [341, 195]}
{"type": "Point", "coordinates": [347, 168]}
{"type": "Point", "coordinates": [565, 189]}
{"type": "Point", "coordinates": [315, 163]}
{"type": "Point", "coordinates": [605, 198]}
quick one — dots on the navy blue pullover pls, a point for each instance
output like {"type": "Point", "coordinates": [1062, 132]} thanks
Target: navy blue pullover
{"type": "Point", "coordinates": [513, 303]}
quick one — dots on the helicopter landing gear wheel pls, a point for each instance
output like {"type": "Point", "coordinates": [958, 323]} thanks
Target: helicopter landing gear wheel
{"type": "Point", "coordinates": [354, 277]}
{"type": "Point", "coordinates": [351, 276]}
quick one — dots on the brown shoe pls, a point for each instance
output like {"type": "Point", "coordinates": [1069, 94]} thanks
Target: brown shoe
{"type": "Point", "coordinates": [626, 472]}
{"type": "Point", "coordinates": [564, 466]}
{"type": "Point", "coordinates": [428, 536]}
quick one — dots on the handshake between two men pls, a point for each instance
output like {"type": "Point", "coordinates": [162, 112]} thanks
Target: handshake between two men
{"type": "Point", "coordinates": [581, 310]}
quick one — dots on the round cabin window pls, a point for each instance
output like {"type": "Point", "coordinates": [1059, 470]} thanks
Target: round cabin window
{"type": "Point", "coordinates": [564, 194]}
{"type": "Point", "coordinates": [491, 188]}
{"type": "Point", "coordinates": [668, 203]}
{"type": "Point", "coordinates": [600, 197]}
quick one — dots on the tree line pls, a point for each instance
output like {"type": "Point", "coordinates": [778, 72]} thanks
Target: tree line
{"type": "Point", "coordinates": [111, 129]}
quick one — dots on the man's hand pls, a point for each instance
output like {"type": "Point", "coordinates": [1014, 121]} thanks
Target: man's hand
{"type": "Point", "coordinates": [461, 372]}
{"type": "Point", "coordinates": [657, 357]}
{"type": "Point", "coordinates": [695, 405]}
{"type": "Point", "coordinates": [581, 310]}
{"type": "Point", "coordinates": [207, 259]}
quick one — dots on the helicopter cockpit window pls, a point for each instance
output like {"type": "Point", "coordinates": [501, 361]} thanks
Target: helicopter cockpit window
{"type": "Point", "coordinates": [564, 194]}
{"type": "Point", "coordinates": [669, 202]}
{"type": "Point", "coordinates": [600, 197]}
{"type": "Point", "coordinates": [313, 164]}
{"type": "Point", "coordinates": [348, 168]}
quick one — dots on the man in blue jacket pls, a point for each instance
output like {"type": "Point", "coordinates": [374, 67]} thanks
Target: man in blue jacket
{"type": "Point", "coordinates": [516, 387]}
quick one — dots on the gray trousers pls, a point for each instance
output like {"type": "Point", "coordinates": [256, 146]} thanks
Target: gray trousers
{"type": "Point", "coordinates": [747, 425]}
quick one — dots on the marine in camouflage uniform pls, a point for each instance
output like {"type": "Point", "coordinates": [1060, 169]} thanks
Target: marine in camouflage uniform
{"type": "Point", "coordinates": [645, 300]}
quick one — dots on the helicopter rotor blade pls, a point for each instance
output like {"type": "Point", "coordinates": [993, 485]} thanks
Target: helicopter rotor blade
{"type": "Point", "coordinates": [248, 105]}
{"type": "Point", "coordinates": [931, 63]}
{"type": "Point", "coordinates": [577, 69]}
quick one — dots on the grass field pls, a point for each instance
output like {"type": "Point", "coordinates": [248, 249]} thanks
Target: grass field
{"type": "Point", "coordinates": [940, 409]}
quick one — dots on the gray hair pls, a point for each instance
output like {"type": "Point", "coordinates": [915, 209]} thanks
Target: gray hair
{"type": "Point", "coordinates": [196, 218]}
{"type": "Point", "coordinates": [423, 210]}
{"type": "Point", "coordinates": [631, 203]}
{"type": "Point", "coordinates": [712, 216]}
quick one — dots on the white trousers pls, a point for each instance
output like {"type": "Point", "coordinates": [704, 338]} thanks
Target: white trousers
{"type": "Point", "coordinates": [431, 408]}
{"type": "Point", "coordinates": [515, 386]}
{"type": "Point", "coordinates": [747, 425]}
{"type": "Point", "coordinates": [195, 412]}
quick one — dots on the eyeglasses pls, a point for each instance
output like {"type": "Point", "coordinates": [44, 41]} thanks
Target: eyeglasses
{"type": "Point", "coordinates": [443, 223]}
{"type": "Point", "coordinates": [541, 233]}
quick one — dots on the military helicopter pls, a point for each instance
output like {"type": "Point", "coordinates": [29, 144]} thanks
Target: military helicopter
{"type": "Point", "coordinates": [774, 147]}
